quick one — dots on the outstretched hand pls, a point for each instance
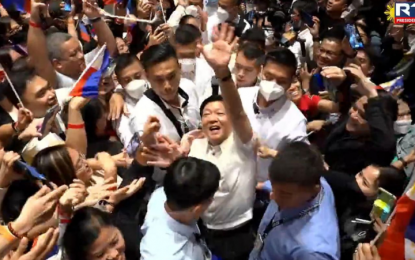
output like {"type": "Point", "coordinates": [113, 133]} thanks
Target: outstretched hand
{"type": "Point", "coordinates": [224, 41]}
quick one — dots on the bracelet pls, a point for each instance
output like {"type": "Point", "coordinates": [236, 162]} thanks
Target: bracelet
{"type": "Point", "coordinates": [12, 231]}
{"type": "Point", "coordinates": [35, 25]}
{"type": "Point", "coordinates": [5, 233]}
{"type": "Point", "coordinates": [94, 20]}
{"type": "Point", "coordinates": [224, 79]}
{"type": "Point", "coordinates": [76, 126]}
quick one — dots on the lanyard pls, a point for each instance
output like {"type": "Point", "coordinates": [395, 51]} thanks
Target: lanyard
{"type": "Point", "coordinates": [275, 223]}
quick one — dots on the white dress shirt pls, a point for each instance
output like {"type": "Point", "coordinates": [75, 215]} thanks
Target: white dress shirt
{"type": "Point", "coordinates": [188, 114]}
{"type": "Point", "coordinates": [123, 126]}
{"type": "Point", "coordinates": [203, 78]}
{"type": "Point", "coordinates": [232, 203]}
{"type": "Point", "coordinates": [276, 126]}
{"type": "Point", "coordinates": [167, 239]}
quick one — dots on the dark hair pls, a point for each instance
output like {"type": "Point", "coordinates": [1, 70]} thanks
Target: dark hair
{"type": "Point", "coordinates": [371, 54]}
{"type": "Point", "coordinates": [157, 54]}
{"type": "Point", "coordinates": [213, 98]}
{"type": "Point", "coordinates": [189, 182]}
{"type": "Point", "coordinates": [252, 52]}
{"type": "Point", "coordinates": [19, 78]}
{"type": "Point", "coordinates": [56, 164]}
{"type": "Point", "coordinates": [254, 35]}
{"type": "Point", "coordinates": [91, 113]}
{"type": "Point", "coordinates": [282, 56]}
{"type": "Point", "coordinates": [335, 34]}
{"type": "Point", "coordinates": [286, 167]}
{"type": "Point", "coordinates": [186, 34]}
{"type": "Point", "coordinates": [186, 18]}
{"type": "Point", "coordinates": [5, 59]}
{"type": "Point", "coordinates": [392, 180]}
{"type": "Point", "coordinates": [15, 198]}
{"type": "Point", "coordinates": [124, 60]}
{"type": "Point", "coordinates": [83, 230]}
{"type": "Point", "coordinates": [309, 7]}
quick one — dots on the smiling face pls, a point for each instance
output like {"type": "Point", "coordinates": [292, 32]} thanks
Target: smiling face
{"type": "Point", "coordinates": [294, 93]}
{"type": "Point", "coordinates": [367, 180]}
{"type": "Point", "coordinates": [215, 123]}
{"type": "Point", "coordinates": [39, 96]}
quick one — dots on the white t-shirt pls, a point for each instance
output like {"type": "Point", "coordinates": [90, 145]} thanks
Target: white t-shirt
{"type": "Point", "coordinates": [232, 203]}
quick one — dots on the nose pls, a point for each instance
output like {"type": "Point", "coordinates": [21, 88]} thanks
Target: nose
{"type": "Point", "coordinates": [241, 73]}
{"type": "Point", "coordinates": [80, 55]}
{"type": "Point", "coordinates": [113, 254]}
{"type": "Point", "coordinates": [167, 87]}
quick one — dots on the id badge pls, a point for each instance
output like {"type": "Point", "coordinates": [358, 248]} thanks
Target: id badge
{"type": "Point", "coordinates": [259, 243]}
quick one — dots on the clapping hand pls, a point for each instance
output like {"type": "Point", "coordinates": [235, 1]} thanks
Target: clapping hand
{"type": "Point", "coordinates": [223, 44]}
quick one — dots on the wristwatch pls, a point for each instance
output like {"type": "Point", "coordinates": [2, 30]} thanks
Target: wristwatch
{"type": "Point", "coordinates": [226, 78]}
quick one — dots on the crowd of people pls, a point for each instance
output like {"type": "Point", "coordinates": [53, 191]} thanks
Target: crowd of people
{"type": "Point", "coordinates": [215, 129]}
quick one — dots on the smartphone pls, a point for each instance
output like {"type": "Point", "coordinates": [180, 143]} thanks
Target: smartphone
{"type": "Point", "coordinates": [383, 205]}
{"type": "Point", "coordinates": [30, 172]}
{"type": "Point", "coordinates": [320, 82]}
{"type": "Point", "coordinates": [67, 7]}
{"type": "Point", "coordinates": [110, 69]}
{"type": "Point", "coordinates": [49, 119]}
{"type": "Point", "coordinates": [354, 37]}
{"type": "Point", "coordinates": [307, 18]}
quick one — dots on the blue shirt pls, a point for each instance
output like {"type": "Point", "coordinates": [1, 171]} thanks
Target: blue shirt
{"type": "Point", "coordinates": [314, 236]}
{"type": "Point", "coordinates": [167, 239]}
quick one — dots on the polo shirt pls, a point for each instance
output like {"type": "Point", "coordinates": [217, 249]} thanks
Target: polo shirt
{"type": "Point", "coordinates": [167, 239]}
{"type": "Point", "coordinates": [314, 236]}
{"type": "Point", "coordinates": [276, 126]}
{"type": "Point", "coordinates": [232, 203]}
{"type": "Point", "coordinates": [187, 114]}
{"type": "Point", "coordinates": [308, 105]}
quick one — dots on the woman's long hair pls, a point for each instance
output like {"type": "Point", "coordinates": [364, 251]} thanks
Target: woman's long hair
{"type": "Point", "coordinates": [56, 164]}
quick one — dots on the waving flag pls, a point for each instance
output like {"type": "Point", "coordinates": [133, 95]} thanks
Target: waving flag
{"type": "Point", "coordinates": [399, 242]}
{"type": "Point", "coordinates": [84, 33]}
{"type": "Point", "coordinates": [20, 5]}
{"type": "Point", "coordinates": [87, 85]}
{"type": "Point", "coordinates": [393, 84]}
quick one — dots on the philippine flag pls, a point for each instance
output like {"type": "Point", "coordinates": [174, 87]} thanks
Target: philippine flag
{"type": "Point", "coordinates": [84, 33]}
{"type": "Point", "coordinates": [87, 85]}
{"type": "Point", "coordinates": [20, 5]}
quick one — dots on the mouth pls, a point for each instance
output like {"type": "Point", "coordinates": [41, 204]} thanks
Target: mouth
{"type": "Point", "coordinates": [295, 93]}
{"type": "Point", "coordinates": [214, 129]}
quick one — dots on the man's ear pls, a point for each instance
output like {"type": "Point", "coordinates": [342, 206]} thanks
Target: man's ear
{"type": "Point", "coordinates": [56, 64]}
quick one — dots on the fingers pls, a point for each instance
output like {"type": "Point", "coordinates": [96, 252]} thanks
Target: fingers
{"type": "Point", "coordinates": [56, 193]}
{"type": "Point", "coordinates": [215, 34]}
{"type": "Point", "coordinates": [42, 192]}
{"type": "Point", "coordinates": [21, 249]}
{"type": "Point", "coordinates": [230, 33]}
{"type": "Point", "coordinates": [45, 244]}
{"type": "Point", "coordinates": [223, 31]}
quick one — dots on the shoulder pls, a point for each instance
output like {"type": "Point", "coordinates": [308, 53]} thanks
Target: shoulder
{"type": "Point", "coordinates": [158, 235]}
{"type": "Point", "coordinates": [248, 92]}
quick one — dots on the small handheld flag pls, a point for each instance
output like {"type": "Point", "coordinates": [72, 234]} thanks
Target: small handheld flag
{"type": "Point", "coordinates": [88, 83]}
{"type": "Point", "coordinates": [84, 33]}
{"type": "Point", "coordinates": [11, 85]}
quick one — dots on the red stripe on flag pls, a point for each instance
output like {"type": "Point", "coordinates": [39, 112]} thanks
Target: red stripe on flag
{"type": "Point", "coordinates": [27, 6]}
{"type": "Point", "coordinates": [85, 36]}
{"type": "Point", "coordinates": [110, 2]}
{"type": "Point", "coordinates": [77, 90]}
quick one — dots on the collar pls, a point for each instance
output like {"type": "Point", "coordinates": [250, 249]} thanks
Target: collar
{"type": "Point", "coordinates": [185, 230]}
{"type": "Point", "coordinates": [316, 201]}
{"type": "Point", "coordinates": [219, 148]}
{"type": "Point", "coordinates": [64, 81]}
{"type": "Point", "coordinates": [183, 99]}
{"type": "Point", "coordinates": [273, 108]}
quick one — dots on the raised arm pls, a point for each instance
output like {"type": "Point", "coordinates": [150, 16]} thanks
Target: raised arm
{"type": "Point", "coordinates": [218, 58]}
{"type": "Point", "coordinates": [36, 38]}
{"type": "Point", "coordinates": [101, 28]}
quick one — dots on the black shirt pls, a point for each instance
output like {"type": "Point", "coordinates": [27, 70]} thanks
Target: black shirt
{"type": "Point", "coordinates": [327, 23]}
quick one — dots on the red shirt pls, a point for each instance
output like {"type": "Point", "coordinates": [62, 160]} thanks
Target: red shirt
{"type": "Point", "coordinates": [308, 105]}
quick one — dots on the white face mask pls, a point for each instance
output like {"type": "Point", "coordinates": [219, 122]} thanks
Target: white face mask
{"type": "Point", "coordinates": [192, 10]}
{"type": "Point", "coordinates": [188, 68]}
{"type": "Point", "coordinates": [270, 90]}
{"type": "Point", "coordinates": [402, 127]}
{"type": "Point", "coordinates": [222, 14]}
{"type": "Point", "coordinates": [136, 88]}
